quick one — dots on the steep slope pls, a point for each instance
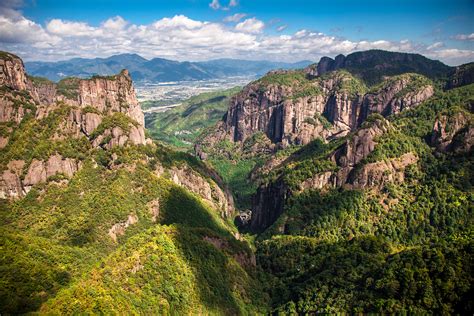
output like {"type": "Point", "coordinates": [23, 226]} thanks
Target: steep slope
{"type": "Point", "coordinates": [95, 218]}
{"type": "Point", "coordinates": [363, 193]}
{"type": "Point", "coordinates": [384, 217]}
{"type": "Point", "coordinates": [292, 109]}
{"type": "Point", "coordinates": [287, 109]}
{"type": "Point", "coordinates": [461, 76]}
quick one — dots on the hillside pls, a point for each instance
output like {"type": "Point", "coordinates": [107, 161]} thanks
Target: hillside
{"type": "Point", "coordinates": [386, 227]}
{"type": "Point", "coordinates": [156, 69]}
{"type": "Point", "coordinates": [359, 195]}
{"type": "Point", "coordinates": [180, 126]}
{"type": "Point", "coordinates": [96, 218]}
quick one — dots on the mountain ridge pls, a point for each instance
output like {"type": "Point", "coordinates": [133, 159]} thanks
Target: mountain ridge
{"type": "Point", "coordinates": [156, 69]}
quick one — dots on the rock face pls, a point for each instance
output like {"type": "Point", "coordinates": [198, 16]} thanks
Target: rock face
{"type": "Point", "coordinates": [39, 171]}
{"type": "Point", "coordinates": [88, 102]}
{"type": "Point", "coordinates": [120, 228]}
{"type": "Point", "coordinates": [12, 186]}
{"type": "Point", "coordinates": [338, 105]}
{"type": "Point", "coordinates": [395, 96]}
{"type": "Point", "coordinates": [352, 153]}
{"type": "Point", "coordinates": [355, 149]}
{"type": "Point", "coordinates": [375, 175]}
{"type": "Point", "coordinates": [12, 72]}
{"type": "Point", "coordinates": [453, 133]}
{"type": "Point", "coordinates": [15, 101]}
{"type": "Point", "coordinates": [219, 198]}
{"type": "Point", "coordinates": [10, 183]}
{"type": "Point", "coordinates": [327, 101]}
{"type": "Point", "coordinates": [352, 173]}
{"type": "Point", "coordinates": [116, 136]}
{"type": "Point", "coordinates": [105, 94]}
{"type": "Point", "coordinates": [267, 205]}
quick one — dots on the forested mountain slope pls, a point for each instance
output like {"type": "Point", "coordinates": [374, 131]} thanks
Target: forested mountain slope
{"type": "Point", "coordinates": [363, 191]}
{"type": "Point", "coordinates": [96, 218]}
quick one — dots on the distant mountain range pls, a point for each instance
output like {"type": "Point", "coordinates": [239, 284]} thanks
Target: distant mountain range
{"type": "Point", "coordinates": [156, 69]}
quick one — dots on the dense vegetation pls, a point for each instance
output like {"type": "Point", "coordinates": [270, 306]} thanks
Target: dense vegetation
{"type": "Point", "coordinates": [35, 139]}
{"type": "Point", "coordinates": [59, 253]}
{"type": "Point", "coordinates": [234, 164]}
{"type": "Point", "coordinates": [368, 274]}
{"type": "Point", "coordinates": [296, 80]}
{"type": "Point", "coordinates": [404, 248]}
{"type": "Point", "coordinates": [74, 220]}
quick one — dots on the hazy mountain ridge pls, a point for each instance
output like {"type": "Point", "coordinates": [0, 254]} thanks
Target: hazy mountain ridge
{"type": "Point", "coordinates": [156, 69]}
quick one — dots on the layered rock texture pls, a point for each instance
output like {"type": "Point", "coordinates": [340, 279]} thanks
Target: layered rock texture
{"type": "Point", "coordinates": [101, 112]}
{"type": "Point", "coordinates": [292, 109]}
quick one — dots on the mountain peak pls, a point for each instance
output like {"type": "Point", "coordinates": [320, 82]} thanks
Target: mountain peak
{"type": "Point", "coordinates": [373, 65]}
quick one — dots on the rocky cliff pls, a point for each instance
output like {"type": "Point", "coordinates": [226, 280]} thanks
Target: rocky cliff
{"type": "Point", "coordinates": [49, 131]}
{"type": "Point", "coordinates": [379, 155]}
{"type": "Point", "coordinates": [453, 133]}
{"type": "Point", "coordinates": [106, 95]}
{"type": "Point", "coordinates": [292, 109]}
{"type": "Point", "coordinates": [101, 111]}
{"type": "Point", "coordinates": [347, 169]}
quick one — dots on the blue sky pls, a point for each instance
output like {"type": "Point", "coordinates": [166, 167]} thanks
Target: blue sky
{"type": "Point", "coordinates": [250, 29]}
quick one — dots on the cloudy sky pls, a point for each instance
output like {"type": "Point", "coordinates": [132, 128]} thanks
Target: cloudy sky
{"type": "Point", "coordinates": [283, 30]}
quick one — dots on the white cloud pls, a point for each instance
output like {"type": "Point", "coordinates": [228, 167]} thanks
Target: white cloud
{"type": "Point", "coordinates": [457, 56]}
{"type": "Point", "coordinates": [250, 26]}
{"type": "Point", "coordinates": [464, 37]}
{"type": "Point", "coordinates": [115, 23]}
{"type": "Point", "coordinates": [182, 38]}
{"type": "Point", "coordinates": [21, 30]}
{"type": "Point", "coordinates": [235, 18]}
{"type": "Point", "coordinates": [233, 3]}
{"type": "Point", "coordinates": [281, 28]}
{"type": "Point", "coordinates": [69, 28]}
